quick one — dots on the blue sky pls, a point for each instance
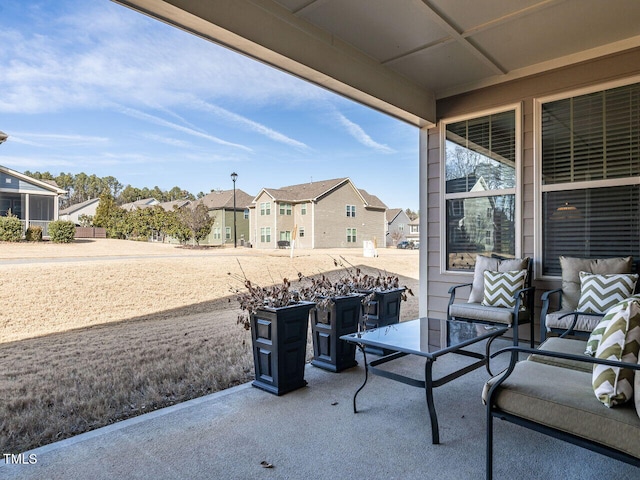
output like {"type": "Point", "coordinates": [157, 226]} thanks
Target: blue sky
{"type": "Point", "coordinates": [91, 86]}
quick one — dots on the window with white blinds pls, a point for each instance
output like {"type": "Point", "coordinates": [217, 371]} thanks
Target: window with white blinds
{"type": "Point", "coordinates": [591, 176]}
{"type": "Point", "coordinates": [480, 169]}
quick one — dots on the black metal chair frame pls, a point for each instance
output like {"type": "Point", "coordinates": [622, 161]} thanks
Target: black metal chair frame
{"type": "Point", "coordinates": [494, 411]}
{"type": "Point", "coordinates": [523, 296]}
{"type": "Point", "coordinates": [546, 301]}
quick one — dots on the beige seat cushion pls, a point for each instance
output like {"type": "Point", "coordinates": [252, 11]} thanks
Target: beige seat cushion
{"type": "Point", "coordinates": [477, 311]}
{"type": "Point", "coordinates": [564, 345]}
{"type": "Point", "coordinates": [585, 323]}
{"type": "Point", "coordinates": [563, 398]}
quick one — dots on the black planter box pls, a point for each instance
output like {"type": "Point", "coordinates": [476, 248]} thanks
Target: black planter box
{"type": "Point", "coordinates": [327, 325]}
{"type": "Point", "coordinates": [279, 339]}
{"type": "Point", "coordinates": [380, 311]}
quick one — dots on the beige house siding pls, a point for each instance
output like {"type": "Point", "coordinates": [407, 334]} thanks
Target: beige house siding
{"type": "Point", "coordinates": [331, 220]}
{"type": "Point", "coordinates": [304, 222]}
{"type": "Point", "coordinates": [264, 221]}
{"type": "Point", "coordinates": [523, 91]}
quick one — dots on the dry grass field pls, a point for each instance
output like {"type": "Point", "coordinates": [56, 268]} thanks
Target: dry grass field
{"type": "Point", "coordinates": [101, 330]}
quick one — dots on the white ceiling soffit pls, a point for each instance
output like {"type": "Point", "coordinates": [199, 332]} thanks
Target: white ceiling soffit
{"type": "Point", "coordinates": [399, 55]}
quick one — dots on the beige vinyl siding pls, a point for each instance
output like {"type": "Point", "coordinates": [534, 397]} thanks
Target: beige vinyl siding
{"type": "Point", "coordinates": [262, 221]}
{"type": "Point", "coordinates": [303, 221]}
{"type": "Point", "coordinates": [524, 90]}
{"type": "Point", "coordinates": [331, 221]}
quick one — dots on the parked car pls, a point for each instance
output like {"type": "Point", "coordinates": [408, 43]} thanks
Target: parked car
{"type": "Point", "coordinates": [408, 245]}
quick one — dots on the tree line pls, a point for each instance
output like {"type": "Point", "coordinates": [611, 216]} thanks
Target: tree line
{"type": "Point", "coordinates": [191, 222]}
{"type": "Point", "coordinates": [82, 187]}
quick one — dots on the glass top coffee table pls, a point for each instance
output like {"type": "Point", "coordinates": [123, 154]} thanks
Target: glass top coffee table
{"type": "Point", "coordinates": [429, 338]}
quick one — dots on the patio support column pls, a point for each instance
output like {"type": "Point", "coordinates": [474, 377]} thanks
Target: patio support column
{"type": "Point", "coordinates": [423, 177]}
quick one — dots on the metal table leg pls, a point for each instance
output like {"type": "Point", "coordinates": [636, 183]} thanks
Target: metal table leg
{"type": "Point", "coordinates": [428, 387]}
{"type": "Point", "coordinates": [366, 376]}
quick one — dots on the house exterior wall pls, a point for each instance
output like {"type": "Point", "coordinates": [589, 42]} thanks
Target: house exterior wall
{"type": "Point", "coordinates": [223, 218]}
{"type": "Point", "coordinates": [523, 91]}
{"type": "Point", "coordinates": [331, 221]}
{"type": "Point", "coordinates": [304, 224]}
{"type": "Point", "coordinates": [263, 221]}
{"type": "Point", "coordinates": [399, 224]}
{"type": "Point", "coordinates": [89, 210]}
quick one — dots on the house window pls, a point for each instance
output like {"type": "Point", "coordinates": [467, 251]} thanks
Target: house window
{"type": "Point", "coordinates": [286, 235]}
{"type": "Point", "coordinates": [246, 214]}
{"type": "Point", "coordinates": [414, 228]}
{"type": "Point", "coordinates": [590, 183]}
{"type": "Point", "coordinates": [401, 227]}
{"type": "Point", "coordinates": [303, 209]}
{"type": "Point", "coordinates": [351, 235]}
{"type": "Point", "coordinates": [285, 209]}
{"type": "Point", "coordinates": [480, 176]}
{"type": "Point", "coordinates": [351, 210]}
{"type": "Point", "coordinates": [227, 233]}
{"type": "Point", "coordinates": [265, 208]}
{"type": "Point", "coordinates": [301, 234]}
{"type": "Point", "coordinates": [217, 233]}
{"type": "Point", "coordinates": [265, 234]}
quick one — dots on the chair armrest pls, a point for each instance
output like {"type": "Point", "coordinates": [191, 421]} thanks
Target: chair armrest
{"type": "Point", "coordinates": [452, 290]}
{"type": "Point", "coordinates": [567, 356]}
{"type": "Point", "coordinates": [452, 295]}
{"type": "Point", "coordinates": [545, 309]}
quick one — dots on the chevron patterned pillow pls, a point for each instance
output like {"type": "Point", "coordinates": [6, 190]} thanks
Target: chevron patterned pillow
{"type": "Point", "coordinates": [499, 287]}
{"type": "Point", "coordinates": [620, 342]}
{"type": "Point", "coordinates": [598, 293]}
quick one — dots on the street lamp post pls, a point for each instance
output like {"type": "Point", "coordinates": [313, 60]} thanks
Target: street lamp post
{"type": "Point", "coordinates": [234, 175]}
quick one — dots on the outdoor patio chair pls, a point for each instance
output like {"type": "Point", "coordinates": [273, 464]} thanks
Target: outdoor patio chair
{"type": "Point", "coordinates": [501, 294]}
{"type": "Point", "coordinates": [577, 308]}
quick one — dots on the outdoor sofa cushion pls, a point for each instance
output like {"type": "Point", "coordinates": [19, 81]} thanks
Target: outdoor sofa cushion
{"type": "Point", "coordinates": [621, 342]}
{"type": "Point", "coordinates": [565, 345]}
{"type": "Point", "coordinates": [562, 320]}
{"type": "Point", "coordinates": [499, 287]}
{"type": "Point", "coordinates": [489, 263]}
{"type": "Point", "coordinates": [481, 312]}
{"type": "Point", "coordinates": [600, 292]}
{"type": "Point", "coordinates": [563, 398]}
{"type": "Point", "coordinates": [571, 268]}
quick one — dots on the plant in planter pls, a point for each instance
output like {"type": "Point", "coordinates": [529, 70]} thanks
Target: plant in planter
{"type": "Point", "coordinates": [337, 312]}
{"type": "Point", "coordinates": [381, 306]}
{"type": "Point", "coordinates": [278, 319]}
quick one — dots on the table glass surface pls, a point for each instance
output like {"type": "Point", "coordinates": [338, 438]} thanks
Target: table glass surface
{"type": "Point", "coordinates": [424, 336]}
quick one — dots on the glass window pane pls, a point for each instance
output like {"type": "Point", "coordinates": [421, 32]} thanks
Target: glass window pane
{"type": "Point", "coordinates": [479, 226]}
{"type": "Point", "coordinates": [481, 153]}
{"type": "Point", "coordinates": [581, 223]}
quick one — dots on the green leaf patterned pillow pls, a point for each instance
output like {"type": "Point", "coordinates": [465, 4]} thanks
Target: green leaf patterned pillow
{"type": "Point", "coordinates": [620, 342]}
{"type": "Point", "coordinates": [600, 292]}
{"type": "Point", "coordinates": [499, 287]}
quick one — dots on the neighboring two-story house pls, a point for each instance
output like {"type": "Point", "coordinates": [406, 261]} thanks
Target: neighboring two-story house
{"type": "Point", "coordinates": [220, 205]}
{"type": "Point", "coordinates": [323, 214]}
{"type": "Point", "coordinates": [397, 226]}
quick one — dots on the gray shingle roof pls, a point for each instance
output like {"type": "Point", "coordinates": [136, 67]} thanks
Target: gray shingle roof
{"type": "Point", "coordinates": [392, 213]}
{"type": "Point", "coordinates": [78, 206]}
{"type": "Point", "coordinates": [224, 199]}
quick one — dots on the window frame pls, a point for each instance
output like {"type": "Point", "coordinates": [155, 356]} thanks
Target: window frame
{"type": "Point", "coordinates": [540, 189]}
{"type": "Point", "coordinates": [303, 208]}
{"type": "Point", "coordinates": [351, 211]}
{"type": "Point", "coordinates": [265, 208]}
{"type": "Point", "coordinates": [352, 235]}
{"type": "Point", "coordinates": [516, 190]}
{"type": "Point", "coordinates": [265, 234]}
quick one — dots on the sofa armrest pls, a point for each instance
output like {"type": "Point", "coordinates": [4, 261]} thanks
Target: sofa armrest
{"type": "Point", "coordinates": [452, 295]}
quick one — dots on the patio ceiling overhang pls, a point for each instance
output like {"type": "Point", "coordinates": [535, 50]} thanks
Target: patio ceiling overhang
{"type": "Point", "coordinates": [400, 56]}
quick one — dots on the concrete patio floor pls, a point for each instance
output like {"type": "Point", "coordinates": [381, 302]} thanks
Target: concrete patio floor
{"type": "Point", "coordinates": [313, 433]}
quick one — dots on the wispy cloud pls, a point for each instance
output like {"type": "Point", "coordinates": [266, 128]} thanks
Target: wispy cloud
{"type": "Point", "coordinates": [249, 124]}
{"type": "Point", "coordinates": [65, 64]}
{"type": "Point", "coordinates": [174, 142]}
{"type": "Point", "coordinates": [361, 136]}
{"type": "Point", "coordinates": [56, 140]}
{"type": "Point", "coordinates": [179, 128]}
